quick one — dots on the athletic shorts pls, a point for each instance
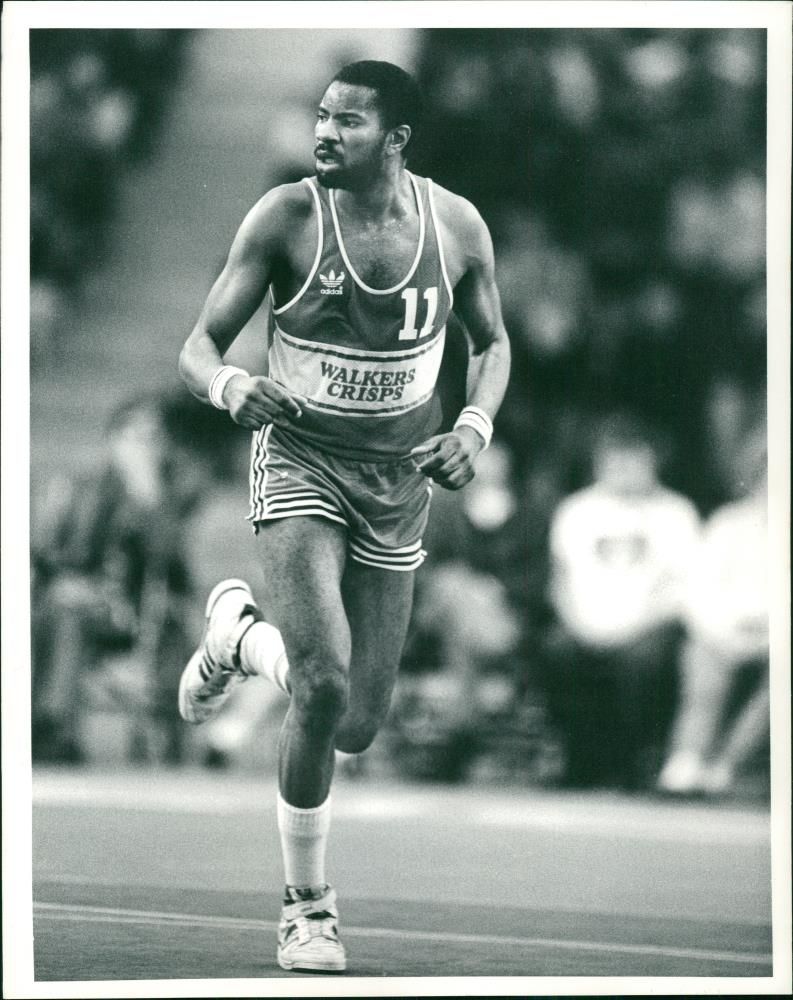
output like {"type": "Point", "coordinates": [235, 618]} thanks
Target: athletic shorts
{"type": "Point", "coordinates": [383, 505]}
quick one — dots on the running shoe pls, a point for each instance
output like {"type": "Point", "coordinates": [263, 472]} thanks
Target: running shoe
{"type": "Point", "coordinates": [308, 933]}
{"type": "Point", "coordinates": [214, 669]}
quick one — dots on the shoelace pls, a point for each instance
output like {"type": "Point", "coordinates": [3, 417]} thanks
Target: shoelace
{"type": "Point", "coordinates": [218, 682]}
{"type": "Point", "coordinates": [216, 679]}
{"type": "Point", "coordinates": [313, 926]}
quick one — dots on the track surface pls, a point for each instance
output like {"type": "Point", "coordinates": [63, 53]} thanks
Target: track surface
{"type": "Point", "coordinates": [177, 876]}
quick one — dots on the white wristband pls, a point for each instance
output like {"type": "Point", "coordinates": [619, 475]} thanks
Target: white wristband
{"type": "Point", "coordinates": [220, 380]}
{"type": "Point", "coordinates": [472, 416]}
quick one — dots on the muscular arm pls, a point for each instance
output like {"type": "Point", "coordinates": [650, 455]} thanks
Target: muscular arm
{"type": "Point", "coordinates": [449, 458]}
{"type": "Point", "coordinates": [233, 299]}
{"type": "Point", "coordinates": [478, 304]}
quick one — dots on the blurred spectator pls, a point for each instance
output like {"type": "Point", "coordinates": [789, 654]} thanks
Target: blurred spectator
{"type": "Point", "coordinates": [619, 549]}
{"type": "Point", "coordinates": [110, 578]}
{"type": "Point", "coordinates": [468, 621]}
{"type": "Point", "coordinates": [731, 415]}
{"type": "Point", "coordinates": [96, 100]}
{"type": "Point", "coordinates": [475, 545]}
{"type": "Point", "coordinates": [622, 175]}
{"type": "Point", "coordinates": [726, 650]}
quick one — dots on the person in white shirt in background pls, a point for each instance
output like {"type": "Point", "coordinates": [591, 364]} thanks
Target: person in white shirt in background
{"type": "Point", "coordinates": [726, 614]}
{"type": "Point", "coordinates": [619, 553]}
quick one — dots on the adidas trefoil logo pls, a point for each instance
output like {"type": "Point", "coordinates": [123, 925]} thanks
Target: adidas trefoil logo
{"type": "Point", "coordinates": [330, 280]}
{"type": "Point", "coordinates": [331, 283]}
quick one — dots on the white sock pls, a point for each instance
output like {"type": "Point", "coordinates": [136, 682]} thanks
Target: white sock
{"type": "Point", "coordinates": [304, 835]}
{"type": "Point", "coordinates": [262, 653]}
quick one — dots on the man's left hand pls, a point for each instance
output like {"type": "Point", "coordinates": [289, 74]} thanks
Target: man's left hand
{"type": "Point", "coordinates": [448, 459]}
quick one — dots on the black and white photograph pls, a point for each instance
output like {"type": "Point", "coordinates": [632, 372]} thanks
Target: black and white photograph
{"type": "Point", "coordinates": [395, 512]}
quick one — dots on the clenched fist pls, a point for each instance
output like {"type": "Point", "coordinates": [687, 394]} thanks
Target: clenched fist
{"type": "Point", "coordinates": [256, 400]}
{"type": "Point", "coordinates": [448, 459]}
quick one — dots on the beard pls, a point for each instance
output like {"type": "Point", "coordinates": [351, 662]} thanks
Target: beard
{"type": "Point", "coordinates": [350, 178]}
{"type": "Point", "coordinates": [332, 179]}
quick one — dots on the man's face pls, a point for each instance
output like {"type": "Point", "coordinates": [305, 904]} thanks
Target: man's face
{"type": "Point", "coordinates": [350, 138]}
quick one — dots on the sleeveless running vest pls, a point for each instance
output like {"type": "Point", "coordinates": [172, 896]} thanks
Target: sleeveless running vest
{"type": "Point", "coordinates": [365, 359]}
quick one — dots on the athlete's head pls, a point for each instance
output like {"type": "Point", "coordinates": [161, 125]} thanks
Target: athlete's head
{"type": "Point", "coordinates": [365, 118]}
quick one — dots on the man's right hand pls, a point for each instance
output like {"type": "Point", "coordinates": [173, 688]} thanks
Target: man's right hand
{"type": "Point", "coordinates": [256, 400]}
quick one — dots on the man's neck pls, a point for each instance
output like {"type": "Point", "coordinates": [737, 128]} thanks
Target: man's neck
{"type": "Point", "coordinates": [388, 197]}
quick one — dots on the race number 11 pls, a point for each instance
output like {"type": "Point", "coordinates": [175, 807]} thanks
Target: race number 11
{"type": "Point", "coordinates": [409, 330]}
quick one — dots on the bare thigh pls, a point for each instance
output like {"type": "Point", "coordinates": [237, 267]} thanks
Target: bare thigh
{"type": "Point", "coordinates": [335, 616]}
{"type": "Point", "coordinates": [302, 561]}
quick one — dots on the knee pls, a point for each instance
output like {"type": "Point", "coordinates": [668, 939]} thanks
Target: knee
{"type": "Point", "coordinates": [357, 737]}
{"type": "Point", "coordinates": [321, 691]}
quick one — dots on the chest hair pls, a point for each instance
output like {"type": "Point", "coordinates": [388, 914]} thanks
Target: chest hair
{"type": "Point", "coordinates": [382, 256]}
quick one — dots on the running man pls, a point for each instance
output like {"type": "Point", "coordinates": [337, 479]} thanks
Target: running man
{"type": "Point", "coordinates": [363, 263]}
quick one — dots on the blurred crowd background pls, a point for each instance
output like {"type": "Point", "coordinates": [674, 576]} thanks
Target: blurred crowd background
{"type": "Point", "coordinates": [593, 610]}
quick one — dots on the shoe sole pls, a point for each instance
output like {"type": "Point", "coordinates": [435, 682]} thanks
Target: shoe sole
{"type": "Point", "coordinates": [317, 967]}
{"type": "Point", "coordinates": [183, 701]}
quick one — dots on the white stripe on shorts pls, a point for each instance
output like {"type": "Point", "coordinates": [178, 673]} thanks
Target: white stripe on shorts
{"type": "Point", "coordinates": [288, 503]}
{"type": "Point", "coordinates": [304, 502]}
{"type": "Point", "coordinates": [299, 500]}
{"type": "Point", "coordinates": [406, 557]}
{"type": "Point", "coordinates": [383, 564]}
{"type": "Point", "coordinates": [258, 474]}
{"type": "Point", "coordinates": [296, 505]}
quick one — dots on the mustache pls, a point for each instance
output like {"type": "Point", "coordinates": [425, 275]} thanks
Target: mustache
{"type": "Point", "coordinates": [322, 147]}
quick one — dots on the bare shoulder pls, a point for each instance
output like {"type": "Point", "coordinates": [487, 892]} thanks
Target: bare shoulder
{"type": "Point", "coordinates": [463, 224]}
{"type": "Point", "coordinates": [278, 214]}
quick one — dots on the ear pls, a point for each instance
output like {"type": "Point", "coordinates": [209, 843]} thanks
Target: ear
{"type": "Point", "coordinates": [397, 139]}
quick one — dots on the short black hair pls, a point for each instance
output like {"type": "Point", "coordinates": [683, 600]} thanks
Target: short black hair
{"type": "Point", "coordinates": [398, 95]}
